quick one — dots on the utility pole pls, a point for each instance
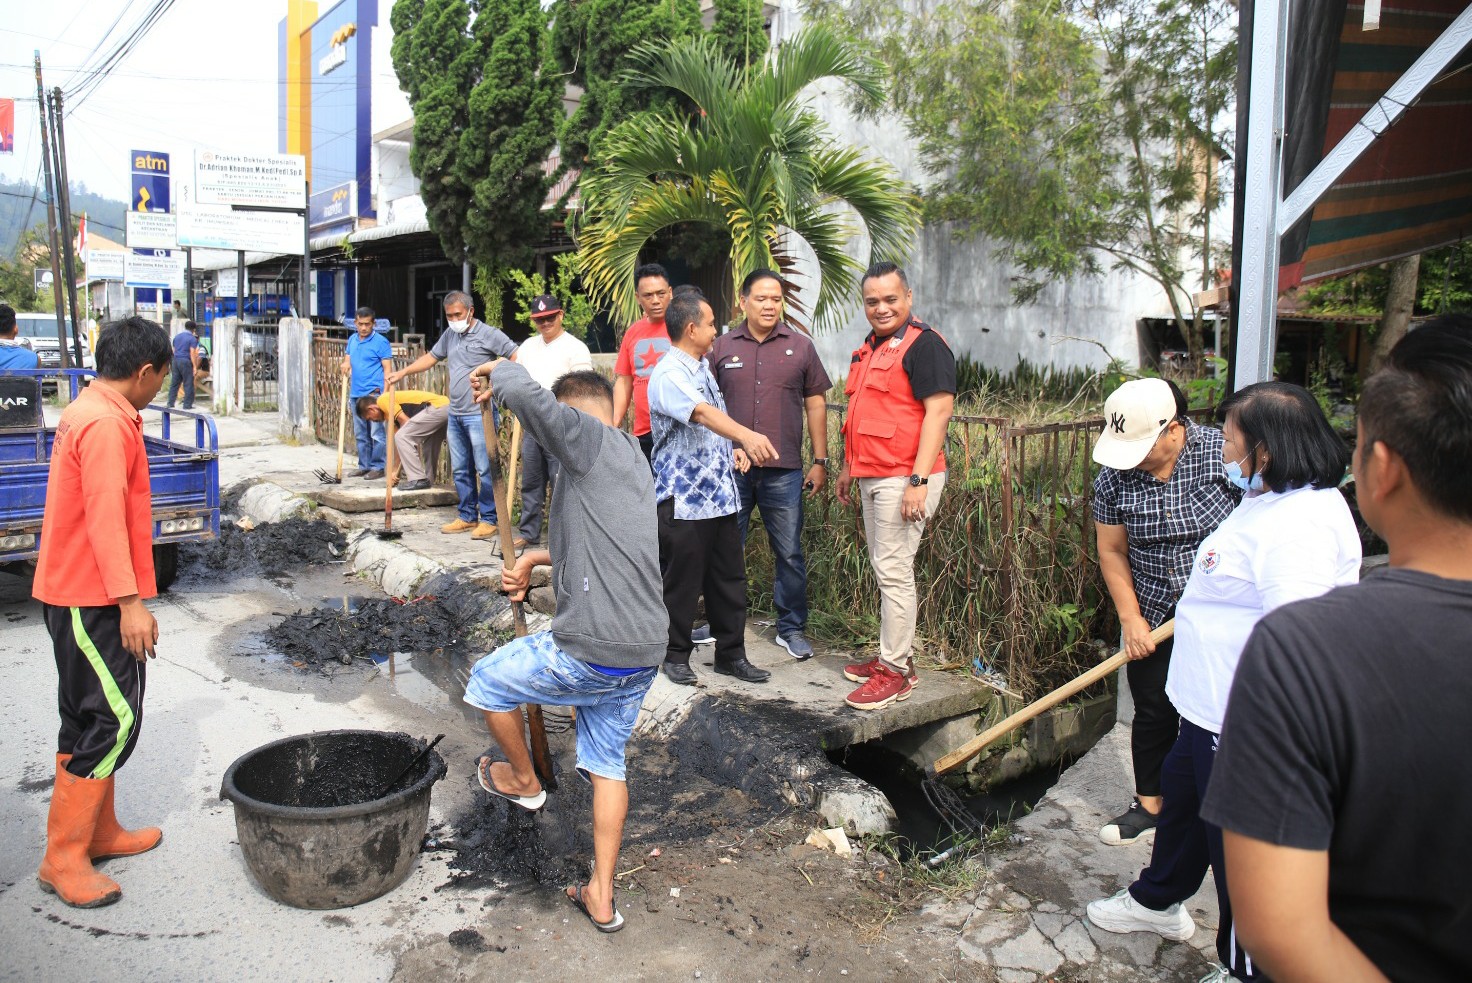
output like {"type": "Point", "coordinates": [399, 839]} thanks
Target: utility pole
{"type": "Point", "coordinates": [65, 200]}
{"type": "Point", "coordinates": [56, 272]}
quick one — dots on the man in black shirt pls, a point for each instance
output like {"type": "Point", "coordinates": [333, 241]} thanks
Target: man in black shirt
{"type": "Point", "coordinates": [1343, 783]}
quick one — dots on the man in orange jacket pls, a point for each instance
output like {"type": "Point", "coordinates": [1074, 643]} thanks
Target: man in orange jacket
{"type": "Point", "coordinates": [901, 392]}
{"type": "Point", "coordinates": [94, 571]}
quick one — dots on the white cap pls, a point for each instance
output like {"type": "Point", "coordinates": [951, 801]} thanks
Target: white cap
{"type": "Point", "coordinates": [1134, 416]}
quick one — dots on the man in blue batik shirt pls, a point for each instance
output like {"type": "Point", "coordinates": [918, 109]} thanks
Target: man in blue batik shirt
{"type": "Point", "coordinates": [695, 485]}
{"type": "Point", "coordinates": [369, 357]}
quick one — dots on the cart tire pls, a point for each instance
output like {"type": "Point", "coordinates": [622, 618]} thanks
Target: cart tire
{"type": "Point", "coordinates": [165, 564]}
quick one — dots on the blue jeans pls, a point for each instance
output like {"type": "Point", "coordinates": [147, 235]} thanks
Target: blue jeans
{"type": "Point", "coordinates": [372, 444]}
{"type": "Point", "coordinates": [471, 466]}
{"type": "Point", "coordinates": [534, 670]}
{"type": "Point", "coordinates": [182, 378]}
{"type": "Point", "coordinates": [778, 493]}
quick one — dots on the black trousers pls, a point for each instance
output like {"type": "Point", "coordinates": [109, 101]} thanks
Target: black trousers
{"type": "Point", "coordinates": [1156, 723]}
{"type": "Point", "coordinates": [99, 689]}
{"type": "Point", "coordinates": [646, 444]}
{"type": "Point", "coordinates": [703, 556]}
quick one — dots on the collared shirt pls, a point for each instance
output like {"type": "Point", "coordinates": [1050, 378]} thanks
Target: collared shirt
{"type": "Point", "coordinates": [766, 382]}
{"type": "Point", "coordinates": [97, 533]}
{"type": "Point", "coordinates": [462, 352]}
{"type": "Point", "coordinates": [184, 342]}
{"type": "Point", "coordinates": [1165, 522]}
{"type": "Point", "coordinates": [692, 464]}
{"type": "Point", "coordinates": [366, 355]}
{"type": "Point", "coordinates": [411, 401]}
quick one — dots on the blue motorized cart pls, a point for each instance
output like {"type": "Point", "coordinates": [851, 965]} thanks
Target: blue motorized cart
{"type": "Point", "coordinates": [183, 466]}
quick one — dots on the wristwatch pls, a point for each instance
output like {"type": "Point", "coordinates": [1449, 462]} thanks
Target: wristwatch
{"type": "Point", "coordinates": [916, 481]}
{"type": "Point", "coordinates": [821, 460]}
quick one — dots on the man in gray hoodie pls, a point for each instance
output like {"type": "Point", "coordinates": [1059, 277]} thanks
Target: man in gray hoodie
{"type": "Point", "coordinates": [610, 631]}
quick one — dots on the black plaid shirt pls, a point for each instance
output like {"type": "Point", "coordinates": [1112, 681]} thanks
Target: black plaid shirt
{"type": "Point", "coordinates": [1166, 521]}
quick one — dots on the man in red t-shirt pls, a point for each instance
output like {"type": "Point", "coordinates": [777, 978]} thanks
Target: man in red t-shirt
{"type": "Point", "coordinates": [644, 344]}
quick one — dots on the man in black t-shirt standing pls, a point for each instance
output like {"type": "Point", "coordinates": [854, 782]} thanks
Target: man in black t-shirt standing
{"type": "Point", "coordinates": [1343, 783]}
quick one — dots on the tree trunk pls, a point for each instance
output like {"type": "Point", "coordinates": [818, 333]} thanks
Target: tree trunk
{"type": "Point", "coordinates": [1399, 301]}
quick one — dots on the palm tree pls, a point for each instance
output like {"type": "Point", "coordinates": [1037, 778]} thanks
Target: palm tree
{"type": "Point", "coordinates": [753, 160]}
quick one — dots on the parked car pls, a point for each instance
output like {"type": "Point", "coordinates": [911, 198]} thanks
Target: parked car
{"type": "Point", "coordinates": [39, 333]}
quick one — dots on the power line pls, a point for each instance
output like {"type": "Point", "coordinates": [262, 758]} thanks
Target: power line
{"type": "Point", "coordinates": [118, 53]}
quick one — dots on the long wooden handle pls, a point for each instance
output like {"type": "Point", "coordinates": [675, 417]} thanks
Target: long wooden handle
{"type": "Point", "coordinates": [512, 488]}
{"type": "Point", "coordinates": [388, 472]}
{"type": "Point", "coordinates": [342, 426]}
{"type": "Point", "coordinates": [535, 726]}
{"type": "Point", "coordinates": [976, 745]}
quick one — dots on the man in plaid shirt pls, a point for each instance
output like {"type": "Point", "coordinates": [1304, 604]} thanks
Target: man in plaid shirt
{"type": "Point", "coordinates": [1161, 490]}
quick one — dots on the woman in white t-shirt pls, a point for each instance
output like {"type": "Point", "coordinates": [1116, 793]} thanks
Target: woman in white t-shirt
{"type": "Point", "coordinates": [1291, 538]}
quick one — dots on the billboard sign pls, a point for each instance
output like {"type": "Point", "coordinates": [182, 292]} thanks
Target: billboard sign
{"type": "Point", "coordinates": [160, 269]}
{"type": "Point", "coordinates": [106, 264]}
{"type": "Point", "coordinates": [149, 181]}
{"type": "Point", "coordinates": [334, 206]}
{"type": "Point", "coordinates": [152, 230]}
{"type": "Point", "coordinates": [262, 232]}
{"type": "Point", "coordinates": [227, 283]}
{"type": "Point", "coordinates": [261, 180]}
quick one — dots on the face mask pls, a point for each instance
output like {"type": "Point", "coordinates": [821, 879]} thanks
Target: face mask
{"type": "Point", "coordinates": [459, 327]}
{"type": "Point", "coordinates": [1236, 477]}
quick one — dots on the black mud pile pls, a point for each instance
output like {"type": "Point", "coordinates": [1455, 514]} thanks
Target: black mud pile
{"type": "Point", "coordinates": [271, 549]}
{"type": "Point", "coordinates": [710, 774]}
{"type": "Point", "coordinates": [373, 627]}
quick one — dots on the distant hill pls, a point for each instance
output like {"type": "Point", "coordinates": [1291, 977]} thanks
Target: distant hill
{"type": "Point", "coordinates": [104, 214]}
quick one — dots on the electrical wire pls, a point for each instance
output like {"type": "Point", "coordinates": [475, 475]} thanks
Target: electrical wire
{"type": "Point", "coordinates": [115, 57]}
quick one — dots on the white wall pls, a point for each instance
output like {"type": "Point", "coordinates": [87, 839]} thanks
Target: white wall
{"type": "Point", "coordinates": [963, 289]}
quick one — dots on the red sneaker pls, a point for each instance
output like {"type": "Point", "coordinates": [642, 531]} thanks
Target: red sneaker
{"type": "Point", "coordinates": [860, 672]}
{"type": "Point", "coordinates": [884, 686]}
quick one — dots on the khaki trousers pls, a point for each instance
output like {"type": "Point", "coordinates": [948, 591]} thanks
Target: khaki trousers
{"type": "Point", "coordinates": [418, 442]}
{"type": "Point", "coordinates": [893, 543]}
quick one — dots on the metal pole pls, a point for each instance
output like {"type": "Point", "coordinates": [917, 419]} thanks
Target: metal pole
{"type": "Point", "coordinates": [68, 255]}
{"type": "Point", "coordinates": [306, 311]}
{"type": "Point", "coordinates": [51, 219]}
{"type": "Point", "coordinates": [240, 286]}
{"type": "Point", "coordinates": [189, 282]}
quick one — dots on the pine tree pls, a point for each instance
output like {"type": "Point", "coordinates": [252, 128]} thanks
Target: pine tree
{"type": "Point", "coordinates": [433, 56]}
{"type": "Point", "coordinates": [593, 42]}
{"type": "Point", "coordinates": [515, 109]}
{"type": "Point", "coordinates": [740, 31]}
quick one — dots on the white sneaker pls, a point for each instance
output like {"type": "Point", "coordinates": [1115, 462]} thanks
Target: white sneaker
{"type": "Point", "coordinates": [1218, 974]}
{"type": "Point", "coordinates": [1123, 914]}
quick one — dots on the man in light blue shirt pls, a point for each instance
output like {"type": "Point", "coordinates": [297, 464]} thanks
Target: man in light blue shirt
{"type": "Point", "coordinates": [369, 357]}
{"type": "Point", "coordinates": [695, 487]}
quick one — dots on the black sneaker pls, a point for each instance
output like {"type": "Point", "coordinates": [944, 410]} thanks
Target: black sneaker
{"type": "Point", "coordinates": [1129, 827]}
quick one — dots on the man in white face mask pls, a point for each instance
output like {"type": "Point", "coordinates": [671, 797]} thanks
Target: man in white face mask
{"type": "Point", "coordinates": [466, 344]}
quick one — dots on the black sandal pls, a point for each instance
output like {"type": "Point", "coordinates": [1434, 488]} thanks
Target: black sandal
{"type": "Point", "coordinates": [608, 927]}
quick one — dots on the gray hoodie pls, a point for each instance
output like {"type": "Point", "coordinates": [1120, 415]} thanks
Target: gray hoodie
{"type": "Point", "coordinates": [604, 531]}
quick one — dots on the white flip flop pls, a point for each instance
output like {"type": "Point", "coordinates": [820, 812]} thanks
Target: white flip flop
{"type": "Point", "coordinates": [531, 803]}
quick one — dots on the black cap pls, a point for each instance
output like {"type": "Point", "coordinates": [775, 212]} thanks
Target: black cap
{"type": "Point", "coordinates": [545, 306]}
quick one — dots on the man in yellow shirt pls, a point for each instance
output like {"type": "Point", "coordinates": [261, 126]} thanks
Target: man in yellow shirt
{"type": "Point", "coordinates": [420, 419]}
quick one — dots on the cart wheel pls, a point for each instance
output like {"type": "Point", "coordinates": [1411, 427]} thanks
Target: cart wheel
{"type": "Point", "coordinates": [165, 564]}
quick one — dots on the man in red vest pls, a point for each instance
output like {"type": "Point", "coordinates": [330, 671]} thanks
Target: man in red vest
{"type": "Point", "coordinates": [901, 392]}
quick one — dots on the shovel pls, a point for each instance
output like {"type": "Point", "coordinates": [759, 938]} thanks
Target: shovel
{"type": "Point", "coordinates": [407, 768]}
{"type": "Point", "coordinates": [342, 428]}
{"type": "Point", "coordinates": [978, 744]}
{"type": "Point", "coordinates": [388, 531]}
{"type": "Point", "coordinates": [536, 728]}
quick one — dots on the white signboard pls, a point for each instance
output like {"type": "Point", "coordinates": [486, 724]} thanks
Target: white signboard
{"type": "Point", "coordinates": [152, 230]}
{"type": "Point", "coordinates": [164, 271]}
{"type": "Point", "coordinates": [262, 232]}
{"type": "Point", "coordinates": [269, 180]}
{"type": "Point", "coordinates": [105, 264]}
{"type": "Point", "coordinates": [227, 283]}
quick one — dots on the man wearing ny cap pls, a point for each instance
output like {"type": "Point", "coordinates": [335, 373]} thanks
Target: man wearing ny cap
{"type": "Point", "coordinates": [1161, 490]}
{"type": "Point", "coordinates": [547, 356]}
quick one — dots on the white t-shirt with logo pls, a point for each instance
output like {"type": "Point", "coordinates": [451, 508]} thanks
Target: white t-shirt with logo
{"type": "Point", "coordinates": [1274, 548]}
{"type": "Point", "coordinates": [547, 363]}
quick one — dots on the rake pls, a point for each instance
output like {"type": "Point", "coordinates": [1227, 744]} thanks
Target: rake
{"type": "Point", "coordinates": [342, 427]}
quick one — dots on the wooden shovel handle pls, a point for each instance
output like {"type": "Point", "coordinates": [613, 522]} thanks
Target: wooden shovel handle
{"type": "Point", "coordinates": [976, 745]}
{"type": "Point", "coordinates": [536, 727]}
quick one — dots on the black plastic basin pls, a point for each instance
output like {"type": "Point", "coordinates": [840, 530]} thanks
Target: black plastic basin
{"type": "Point", "coordinates": [313, 832]}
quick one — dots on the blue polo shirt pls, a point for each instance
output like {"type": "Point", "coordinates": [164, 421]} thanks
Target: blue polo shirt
{"type": "Point", "coordinates": [367, 357]}
{"type": "Point", "coordinates": [13, 356]}
{"type": "Point", "coordinates": [183, 342]}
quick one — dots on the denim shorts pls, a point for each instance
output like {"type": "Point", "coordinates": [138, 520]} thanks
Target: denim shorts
{"type": "Point", "coordinates": [534, 670]}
